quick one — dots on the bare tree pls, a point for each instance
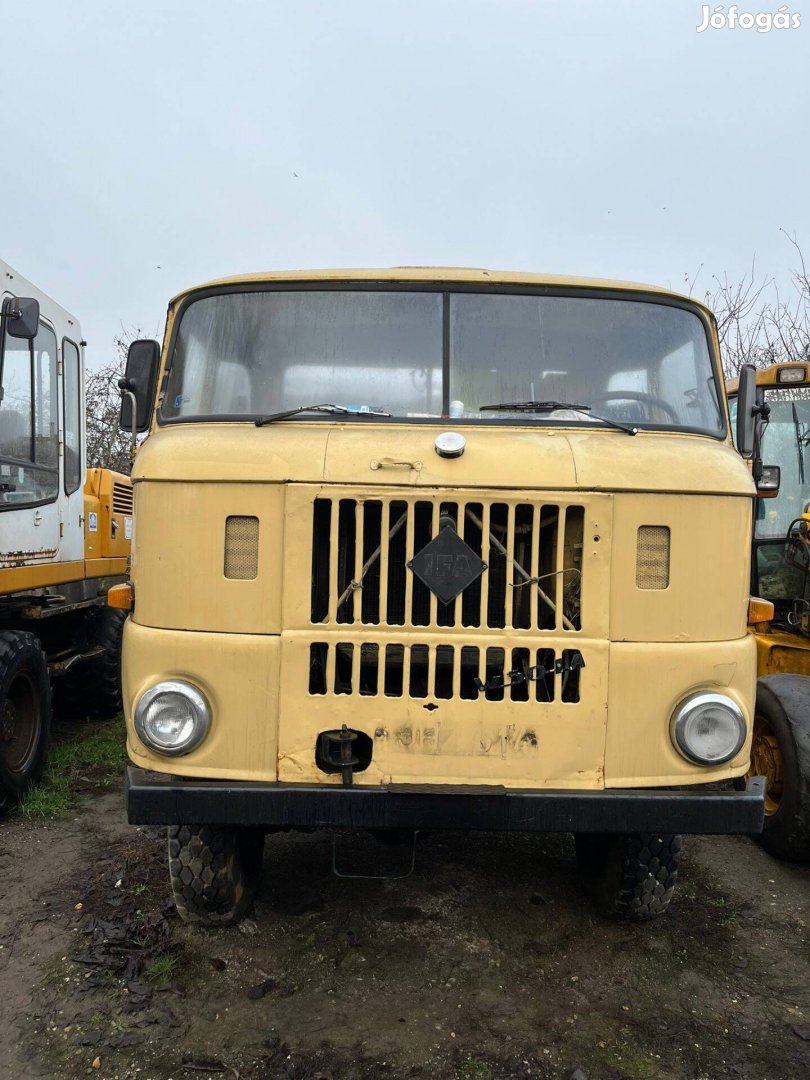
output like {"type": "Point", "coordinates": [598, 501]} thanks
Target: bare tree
{"type": "Point", "coordinates": [107, 446]}
{"type": "Point", "coordinates": [756, 323]}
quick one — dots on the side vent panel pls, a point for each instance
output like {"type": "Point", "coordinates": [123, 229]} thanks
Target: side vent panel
{"type": "Point", "coordinates": [652, 557]}
{"type": "Point", "coordinates": [241, 548]}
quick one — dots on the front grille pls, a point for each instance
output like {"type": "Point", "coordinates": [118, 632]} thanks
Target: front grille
{"type": "Point", "coordinates": [122, 500]}
{"type": "Point", "coordinates": [360, 552]}
{"type": "Point", "coordinates": [445, 672]}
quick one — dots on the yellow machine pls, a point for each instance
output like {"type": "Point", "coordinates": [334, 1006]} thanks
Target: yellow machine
{"type": "Point", "coordinates": [781, 557]}
{"type": "Point", "coordinates": [65, 535]}
{"type": "Point", "coordinates": [437, 548]}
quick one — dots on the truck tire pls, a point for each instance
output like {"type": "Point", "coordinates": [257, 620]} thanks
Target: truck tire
{"type": "Point", "coordinates": [106, 630]}
{"type": "Point", "coordinates": [92, 688]}
{"type": "Point", "coordinates": [781, 753]}
{"type": "Point", "coordinates": [25, 714]}
{"type": "Point", "coordinates": [630, 876]}
{"type": "Point", "coordinates": [214, 871]}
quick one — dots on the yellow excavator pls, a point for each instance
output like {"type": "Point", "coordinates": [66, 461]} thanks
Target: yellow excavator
{"type": "Point", "coordinates": [779, 574]}
{"type": "Point", "coordinates": [65, 535]}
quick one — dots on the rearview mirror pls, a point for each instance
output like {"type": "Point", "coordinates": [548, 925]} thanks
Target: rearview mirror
{"type": "Point", "coordinates": [140, 381]}
{"type": "Point", "coordinates": [768, 481]}
{"type": "Point", "coordinates": [22, 317]}
{"type": "Point", "coordinates": [747, 410]}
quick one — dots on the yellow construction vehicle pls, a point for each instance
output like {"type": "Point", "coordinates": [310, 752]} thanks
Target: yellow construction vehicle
{"type": "Point", "coordinates": [437, 548]}
{"type": "Point", "coordinates": [65, 536]}
{"type": "Point", "coordinates": [779, 574]}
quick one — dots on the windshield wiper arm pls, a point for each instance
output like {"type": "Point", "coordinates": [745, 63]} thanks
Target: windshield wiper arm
{"type": "Point", "coordinates": [551, 406]}
{"type": "Point", "coordinates": [801, 440]}
{"type": "Point", "coordinates": [343, 410]}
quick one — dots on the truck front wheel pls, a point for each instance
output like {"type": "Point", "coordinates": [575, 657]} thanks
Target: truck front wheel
{"type": "Point", "coordinates": [214, 871]}
{"type": "Point", "coordinates": [630, 876]}
{"type": "Point", "coordinates": [25, 714]}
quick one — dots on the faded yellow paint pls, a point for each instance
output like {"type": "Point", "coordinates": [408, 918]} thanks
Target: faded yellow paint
{"type": "Point", "coordinates": [247, 643]}
{"type": "Point", "coordinates": [39, 576]}
{"type": "Point", "coordinates": [703, 602]}
{"type": "Point", "coordinates": [647, 682]}
{"type": "Point", "coordinates": [96, 568]}
{"type": "Point", "coordinates": [110, 540]}
{"type": "Point", "coordinates": [780, 653]}
{"type": "Point", "coordinates": [239, 674]}
{"type": "Point", "coordinates": [181, 584]}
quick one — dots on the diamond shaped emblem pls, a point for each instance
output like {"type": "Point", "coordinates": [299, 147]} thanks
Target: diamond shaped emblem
{"type": "Point", "coordinates": [447, 565]}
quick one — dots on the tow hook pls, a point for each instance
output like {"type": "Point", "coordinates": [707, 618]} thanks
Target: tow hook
{"type": "Point", "coordinates": [337, 751]}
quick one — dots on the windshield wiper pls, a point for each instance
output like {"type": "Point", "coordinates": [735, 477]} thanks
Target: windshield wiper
{"type": "Point", "coordinates": [801, 440]}
{"type": "Point", "coordinates": [551, 406]}
{"type": "Point", "coordinates": [343, 410]}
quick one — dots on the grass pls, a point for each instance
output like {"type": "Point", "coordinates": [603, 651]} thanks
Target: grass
{"type": "Point", "coordinates": [473, 1069]}
{"type": "Point", "coordinates": [160, 971]}
{"type": "Point", "coordinates": [91, 757]}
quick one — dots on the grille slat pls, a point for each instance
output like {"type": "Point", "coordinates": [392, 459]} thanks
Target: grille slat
{"type": "Point", "coordinates": [122, 498]}
{"type": "Point", "coordinates": [534, 556]}
{"type": "Point", "coordinates": [423, 672]}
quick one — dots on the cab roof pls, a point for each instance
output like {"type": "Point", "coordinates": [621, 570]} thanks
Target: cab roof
{"type": "Point", "coordinates": [769, 376]}
{"type": "Point", "coordinates": [445, 275]}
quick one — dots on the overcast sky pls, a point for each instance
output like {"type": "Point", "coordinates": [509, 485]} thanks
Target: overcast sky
{"type": "Point", "coordinates": [150, 145]}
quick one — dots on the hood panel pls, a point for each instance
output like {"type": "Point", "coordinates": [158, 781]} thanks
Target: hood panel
{"type": "Point", "coordinates": [399, 454]}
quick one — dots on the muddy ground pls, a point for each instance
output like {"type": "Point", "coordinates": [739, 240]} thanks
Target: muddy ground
{"type": "Point", "coordinates": [485, 964]}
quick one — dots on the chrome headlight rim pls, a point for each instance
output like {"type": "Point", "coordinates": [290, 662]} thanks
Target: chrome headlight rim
{"type": "Point", "coordinates": [684, 712]}
{"type": "Point", "coordinates": [202, 712]}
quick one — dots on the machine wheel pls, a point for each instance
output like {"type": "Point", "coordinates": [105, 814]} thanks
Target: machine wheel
{"type": "Point", "coordinates": [25, 714]}
{"type": "Point", "coordinates": [214, 871]}
{"type": "Point", "coordinates": [104, 686]}
{"type": "Point", "coordinates": [780, 752]}
{"type": "Point", "coordinates": [93, 687]}
{"type": "Point", "coordinates": [630, 876]}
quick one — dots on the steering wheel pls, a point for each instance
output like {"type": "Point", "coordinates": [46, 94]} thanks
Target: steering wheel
{"type": "Point", "coordinates": [637, 395]}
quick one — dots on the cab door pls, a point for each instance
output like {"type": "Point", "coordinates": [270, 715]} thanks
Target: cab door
{"type": "Point", "coordinates": [29, 450]}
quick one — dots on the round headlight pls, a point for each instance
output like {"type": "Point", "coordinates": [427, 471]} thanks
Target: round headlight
{"type": "Point", "coordinates": [708, 728]}
{"type": "Point", "coordinates": [172, 717]}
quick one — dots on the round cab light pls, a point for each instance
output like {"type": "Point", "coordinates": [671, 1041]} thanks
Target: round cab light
{"type": "Point", "coordinates": [450, 444]}
{"type": "Point", "coordinates": [172, 717]}
{"type": "Point", "coordinates": [708, 729]}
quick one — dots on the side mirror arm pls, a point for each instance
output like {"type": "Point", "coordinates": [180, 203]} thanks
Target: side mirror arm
{"type": "Point", "coordinates": [125, 386]}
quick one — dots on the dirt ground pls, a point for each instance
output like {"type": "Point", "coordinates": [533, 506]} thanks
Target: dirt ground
{"type": "Point", "coordinates": [485, 964]}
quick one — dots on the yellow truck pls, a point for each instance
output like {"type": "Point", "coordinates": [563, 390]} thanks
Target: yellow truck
{"type": "Point", "coordinates": [779, 574]}
{"type": "Point", "coordinates": [65, 536]}
{"type": "Point", "coordinates": [437, 549]}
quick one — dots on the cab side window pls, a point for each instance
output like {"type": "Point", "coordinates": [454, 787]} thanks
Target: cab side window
{"type": "Point", "coordinates": [71, 368]}
{"type": "Point", "coordinates": [29, 425]}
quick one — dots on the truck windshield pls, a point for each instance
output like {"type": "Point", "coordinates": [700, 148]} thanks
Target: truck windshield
{"type": "Point", "coordinates": [430, 354]}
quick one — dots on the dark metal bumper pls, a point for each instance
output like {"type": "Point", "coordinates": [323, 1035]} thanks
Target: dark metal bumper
{"type": "Point", "coordinates": [158, 799]}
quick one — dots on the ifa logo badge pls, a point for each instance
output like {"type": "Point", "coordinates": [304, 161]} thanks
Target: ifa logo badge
{"type": "Point", "coordinates": [447, 565]}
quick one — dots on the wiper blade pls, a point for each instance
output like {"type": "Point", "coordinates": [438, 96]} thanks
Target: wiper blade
{"type": "Point", "coordinates": [343, 410]}
{"type": "Point", "coordinates": [551, 406]}
{"type": "Point", "coordinates": [533, 406]}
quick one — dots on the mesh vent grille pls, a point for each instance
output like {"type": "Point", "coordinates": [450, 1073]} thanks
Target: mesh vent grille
{"type": "Point", "coordinates": [241, 547]}
{"type": "Point", "coordinates": [652, 557]}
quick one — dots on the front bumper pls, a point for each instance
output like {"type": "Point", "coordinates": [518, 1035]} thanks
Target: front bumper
{"type": "Point", "coordinates": [160, 799]}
